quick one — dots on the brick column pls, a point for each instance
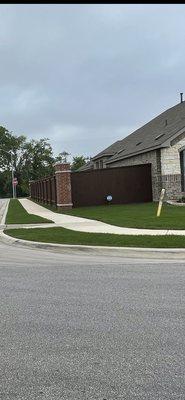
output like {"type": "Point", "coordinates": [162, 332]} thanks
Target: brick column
{"type": "Point", "coordinates": [63, 185]}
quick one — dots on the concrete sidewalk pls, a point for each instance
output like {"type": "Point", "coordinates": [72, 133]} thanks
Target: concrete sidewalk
{"type": "Point", "coordinates": [88, 225]}
{"type": "Point", "coordinates": [3, 209]}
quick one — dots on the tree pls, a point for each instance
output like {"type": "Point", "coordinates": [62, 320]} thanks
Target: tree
{"type": "Point", "coordinates": [78, 162]}
{"type": "Point", "coordinates": [36, 161]}
{"type": "Point", "coordinates": [62, 157]}
{"type": "Point", "coordinates": [31, 160]}
{"type": "Point", "coordinates": [9, 144]}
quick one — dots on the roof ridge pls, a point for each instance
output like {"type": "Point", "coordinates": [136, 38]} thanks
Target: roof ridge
{"type": "Point", "coordinates": [151, 135]}
{"type": "Point", "coordinates": [147, 123]}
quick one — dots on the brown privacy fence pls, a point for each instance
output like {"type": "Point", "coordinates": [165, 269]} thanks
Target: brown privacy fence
{"type": "Point", "coordinates": [125, 185]}
{"type": "Point", "coordinates": [65, 189]}
{"type": "Point", "coordinates": [44, 190]}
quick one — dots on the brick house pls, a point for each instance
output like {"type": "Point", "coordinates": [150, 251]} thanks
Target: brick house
{"type": "Point", "coordinates": [160, 142]}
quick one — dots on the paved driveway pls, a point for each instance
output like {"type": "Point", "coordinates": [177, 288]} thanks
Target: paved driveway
{"type": "Point", "coordinates": [76, 327]}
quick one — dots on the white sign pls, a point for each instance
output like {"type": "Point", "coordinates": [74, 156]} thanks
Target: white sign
{"type": "Point", "coordinates": [109, 197]}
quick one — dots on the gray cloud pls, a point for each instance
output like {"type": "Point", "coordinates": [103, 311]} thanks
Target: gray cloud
{"type": "Point", "coordinates": [88, 75]}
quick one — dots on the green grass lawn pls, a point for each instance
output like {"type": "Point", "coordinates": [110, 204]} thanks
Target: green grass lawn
{"type": "Point", "coordinates": [134, 215]}
{"type": "Point", "coordinates": [18, 215]}
{"type": "Point", "coordinates": [66, 236]}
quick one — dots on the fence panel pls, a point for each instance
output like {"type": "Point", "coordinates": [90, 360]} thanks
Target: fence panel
{"type": "Point", "coordinates": [125, 185]}
{"type": "Point", "coordinates": [44, 190]}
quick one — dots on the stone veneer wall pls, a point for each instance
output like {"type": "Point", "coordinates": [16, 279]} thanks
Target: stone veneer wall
{"type": "Point", "coordinates": [103, 159]}
{"type": "Point", "coordinates": [152, 157]}
{"type": "Point", "coordinates": [170, 167]}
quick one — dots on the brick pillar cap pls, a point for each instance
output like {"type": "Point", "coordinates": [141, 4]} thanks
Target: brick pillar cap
{"type": "Point", "coordinates": [62, 166]}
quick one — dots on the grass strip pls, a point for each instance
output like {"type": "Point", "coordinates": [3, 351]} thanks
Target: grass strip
{"type": "Point", "coordinates": [18, 215]}
{"type": "Point", "coordinates": [141, 215]}
{"type": "Point", "coordinates": [66, 236]}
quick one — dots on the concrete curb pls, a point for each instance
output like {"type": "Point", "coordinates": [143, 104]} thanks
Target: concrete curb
{"type": "Point", "coordinates": [132, 252]}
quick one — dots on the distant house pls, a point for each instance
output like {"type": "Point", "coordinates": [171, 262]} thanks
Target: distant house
{"type": "Point", "coordinates": [160, 142]}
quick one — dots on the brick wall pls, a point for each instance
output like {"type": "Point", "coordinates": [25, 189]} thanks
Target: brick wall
{"type": "Point", "coordinates": [63, 185]}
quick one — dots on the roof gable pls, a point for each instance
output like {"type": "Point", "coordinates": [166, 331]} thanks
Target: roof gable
{"type": "Point", "coordinates": [153, 135]}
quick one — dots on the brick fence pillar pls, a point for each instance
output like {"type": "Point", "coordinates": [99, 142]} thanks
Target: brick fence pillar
{"type": "Point", "coordinates": [63, 185]}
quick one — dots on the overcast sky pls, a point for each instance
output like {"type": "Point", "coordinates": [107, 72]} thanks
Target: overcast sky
{"type": "Point", "coordinates": [87, 75]}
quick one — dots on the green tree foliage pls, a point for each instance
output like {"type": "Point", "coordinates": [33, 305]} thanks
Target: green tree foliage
{"type": "Point", "coordinates": [78, 162]}
{"type": "Point", "coordinates": [5, 184]}
{"type": "Point", "coordinates": [62, 157]}
{"type": "Point", "coordinates": [9, 144]}
{"type": "Point", "coordinates": [32, 159]}
{"type": "Point", "coordinates": [36, 161]}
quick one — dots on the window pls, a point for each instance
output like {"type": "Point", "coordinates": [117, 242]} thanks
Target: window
{"type": "Point", "coordinates": [101, 163]}
{"type": "Point", "coordinates": [97, 164]}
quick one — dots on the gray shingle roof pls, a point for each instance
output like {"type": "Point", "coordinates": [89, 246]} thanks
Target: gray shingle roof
{"type": "Point", "coordinates": [151, 136]}
{"type": "Point", "coordinates": [86, 167]}
{"type": "Point", "coordinates": [109, 151]}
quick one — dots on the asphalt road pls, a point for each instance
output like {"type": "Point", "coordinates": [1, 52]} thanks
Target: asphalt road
{"type": "Point", "coordinates": [79, 327]}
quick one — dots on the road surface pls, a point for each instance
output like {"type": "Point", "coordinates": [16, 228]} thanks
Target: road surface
{"type": "Point", "coordinates": [81, 327]}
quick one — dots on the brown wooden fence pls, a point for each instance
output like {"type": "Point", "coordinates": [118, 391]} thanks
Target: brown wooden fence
{"type": "Point", "coordinates": [44, 190]}
{"type": "Point", "coordinates": [125, 184]}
